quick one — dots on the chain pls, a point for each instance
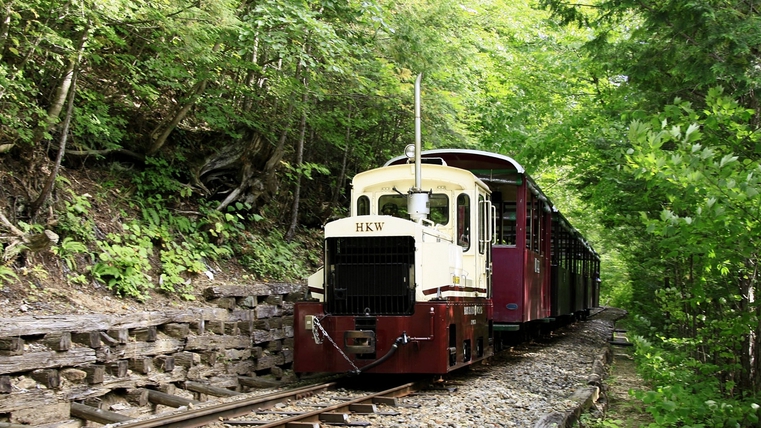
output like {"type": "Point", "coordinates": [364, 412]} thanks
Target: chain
{"type": "Point", "coordinates": [318, 340]}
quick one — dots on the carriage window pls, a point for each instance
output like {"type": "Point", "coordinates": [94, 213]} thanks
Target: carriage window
{"type": "Point", "coordinates": [463, 221]}
{"type": "Point", "coordinates": [363, 205]}
{"type": "Point", "coordinates": [529, 219]}
{"type": "Point", "coordinates": [537, 224]}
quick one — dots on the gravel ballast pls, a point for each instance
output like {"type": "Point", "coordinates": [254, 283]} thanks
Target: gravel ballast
{"type": "Point", "coordinates": [545, 383]}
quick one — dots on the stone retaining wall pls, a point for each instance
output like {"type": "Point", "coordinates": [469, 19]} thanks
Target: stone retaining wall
{"type": "Point", "coordinates": [48, 361]}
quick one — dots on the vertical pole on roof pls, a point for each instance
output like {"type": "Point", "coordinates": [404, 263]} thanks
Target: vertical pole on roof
{"type": "Point", "coordinates": [418, 200]}
{"type": "Point", "coordinates": [418, 138]}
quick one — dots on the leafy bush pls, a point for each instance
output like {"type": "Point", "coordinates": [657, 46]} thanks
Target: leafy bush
{"type": "Point", "coordinates": [124, 264]}
{"type": "Point", "coordinates": [270, 256]}
{"type": "Point", "coordinates": [686, 392]}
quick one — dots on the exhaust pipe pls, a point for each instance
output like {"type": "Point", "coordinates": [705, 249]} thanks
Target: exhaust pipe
{"type": "Point", "coordinates": [418, 200]}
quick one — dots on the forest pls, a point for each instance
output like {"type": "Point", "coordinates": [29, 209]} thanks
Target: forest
{"type": "Point", "coordinates": [231, 129]}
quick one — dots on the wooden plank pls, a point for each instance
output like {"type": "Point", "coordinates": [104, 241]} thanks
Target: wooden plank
{"type": "Point", "coordinates": [38, 398]}
{"type": "Point", "coordinates": [46, 360]}
{"type": "Point", "coordinates": [44, 324]}
{"type": "Point", "coordinates": [97, 415]}
{"type": "Point", "coordinates": [160, 346]}
{"type": "Point", "coordinates": [268, 289]}
{"type": "Point", "coordinates": [140, 320]}
{"type": "Point", "coordinates": [209, 342]}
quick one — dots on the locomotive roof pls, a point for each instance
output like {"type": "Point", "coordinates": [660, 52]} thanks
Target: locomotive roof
{"type": "Point", "coordinates": [472, 160]}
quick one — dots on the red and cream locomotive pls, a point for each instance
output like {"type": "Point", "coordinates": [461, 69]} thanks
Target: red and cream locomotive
{"type": "Point", "coordinates": [441, 260]}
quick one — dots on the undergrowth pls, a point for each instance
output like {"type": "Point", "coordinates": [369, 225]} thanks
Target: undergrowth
{"type": "Point", "coordinates": [168, 236]}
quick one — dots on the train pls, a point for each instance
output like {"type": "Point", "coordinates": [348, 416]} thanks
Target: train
{"type": "Point", "coordinates": [446, 257]}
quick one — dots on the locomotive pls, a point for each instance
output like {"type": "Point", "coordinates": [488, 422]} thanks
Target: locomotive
{"type": "Point", "coordinates": [447, 255]}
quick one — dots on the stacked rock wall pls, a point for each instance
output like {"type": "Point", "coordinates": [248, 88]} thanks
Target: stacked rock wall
{"type": "Point", "coordinates": [106, 360]}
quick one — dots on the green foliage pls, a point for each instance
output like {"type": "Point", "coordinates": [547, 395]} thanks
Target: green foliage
{"type": "Point", "coordinates": [7, 274]}
{"type": "Point", "coordinates": [124, 264]}
{"type": "Point", "coordinates": [685, 391]}
{"type": "Point", "coordinates": [68, 249]}
{"type": "Point", "coordinates": [75, 219]}
{"type": "Point", "coordinates": [270, 256]}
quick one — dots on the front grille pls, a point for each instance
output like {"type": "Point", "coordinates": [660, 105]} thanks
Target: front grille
{"type": "Point", "coordinates": [373, 275]}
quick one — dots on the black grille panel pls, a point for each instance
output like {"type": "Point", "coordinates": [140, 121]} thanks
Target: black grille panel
{"type": "Point", "coordinates": [370, 275]}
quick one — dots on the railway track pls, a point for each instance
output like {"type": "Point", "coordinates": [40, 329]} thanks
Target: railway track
{"type": "Point", "coordinates": [295, 408]}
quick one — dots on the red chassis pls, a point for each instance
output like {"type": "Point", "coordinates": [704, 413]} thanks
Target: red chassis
{"type": "Point", "coordinates": [439, 337]}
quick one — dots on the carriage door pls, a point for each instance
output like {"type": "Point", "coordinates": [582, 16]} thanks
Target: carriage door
{"type": "Point", "coordinates": [486, 220]}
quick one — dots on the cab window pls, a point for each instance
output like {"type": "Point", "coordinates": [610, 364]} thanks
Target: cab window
{"type": "Point", "coordinates": [463, 221]}
{"type": "Point", "coordinates": [396, 205]}
{"type": "Point", "coordinates": [363, 205]}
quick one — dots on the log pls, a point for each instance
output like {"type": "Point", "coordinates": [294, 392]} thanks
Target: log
{"type": "Point", "coordinates": [6, 387]}
{"type": "Point", "coordinates": [120, 335]}
{"type": "Point", "coordinates": [97, 415]}
{"type": "Point", "coordinates": [142, 365]}
{"type": "Point", "coordinates": [160, 346]}
{"type": "Point", "coordinates": [11, 346]}
{"type": "Point", "coordinates": [217, 291]}
{"type": "Point", "coordinates": [58, 341]}
{"type": "Point", "coordinates": [118, 368]}
{"type": "Point", "coordinates": [217, 342]}
{"type": "Point", "coordinates": [187, 359]}
{"type": "Point", "coordinates": [46, 360]}
{"type": "Point", "coordinates": [95, 373]}
{"type": "Point", "coordinates": [51, 378]}
{"type": "Point", "coordinates": [209, 390]}
{"type": "Point", "coordinates": [164, 362]}
{"type": "Point", "coordinates": [138, 397]}
{"type": "Point", "coordinates": [147, 334]}
{"type": "Point", "coordinates": [89, 338]}
{"type": "Point", "coordinates": [176, 330]}
{"type": "Point", "coordinates": [256, 382]}
{"type": "Point", "coordinates": [158, 397]}
{"type": "Point", "coordinates": [44, 324]}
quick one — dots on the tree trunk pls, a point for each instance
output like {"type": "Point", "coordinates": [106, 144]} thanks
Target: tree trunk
{"type": "Point", "coordinates": [299, 161]}
{"type": "Point", "coordinates": [67, 89]}
{"type": "Point", "coordinates": [164, 129]}
{"type": "Point", "coordinates": [48, 188]}
{"type": "Point", "coordinates": [342, 175]}
{"type": "Point", "coordinates": [5, 25]}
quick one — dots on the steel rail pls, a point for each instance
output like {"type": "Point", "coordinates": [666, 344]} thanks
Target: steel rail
{"type": "Point", "coordinates": [314, 416]}
{"type": "Point", "coordinates": [232, 409]}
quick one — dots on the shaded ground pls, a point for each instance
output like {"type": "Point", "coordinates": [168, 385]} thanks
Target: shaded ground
{"type": "Point", "coordinates": [623, 410]}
